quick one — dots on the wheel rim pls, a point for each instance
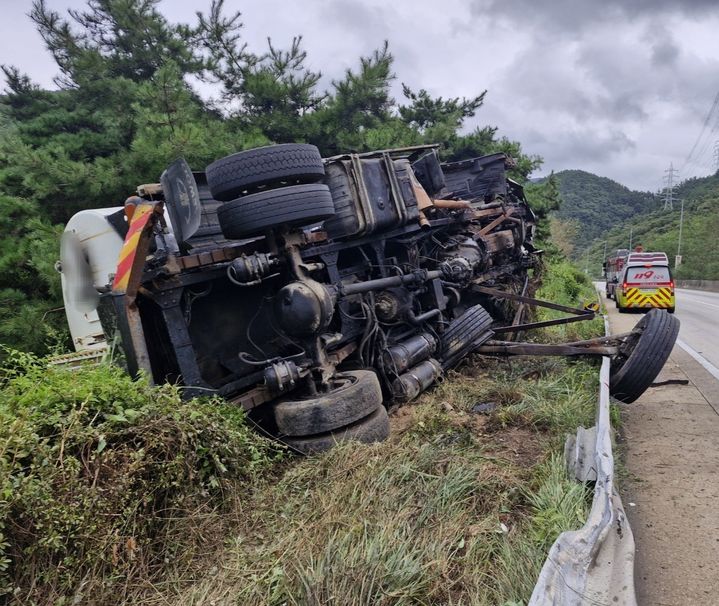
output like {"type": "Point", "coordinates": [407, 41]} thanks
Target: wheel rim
{"type": "Point", "coordinates": [628, 346]}
{"type": "Point", "coordinates": [339, 382]}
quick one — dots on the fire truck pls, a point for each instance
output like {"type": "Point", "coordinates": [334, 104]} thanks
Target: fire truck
{"type": "Point", "coordinates": [613, 268]}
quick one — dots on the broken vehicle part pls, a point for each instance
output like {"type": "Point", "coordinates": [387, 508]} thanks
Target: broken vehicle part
{"type": "Point", "coordinates": [595, 564]}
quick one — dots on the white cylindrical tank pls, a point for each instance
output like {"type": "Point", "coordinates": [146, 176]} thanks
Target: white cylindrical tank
{"type": "Point", "coordinates": [88, 256]}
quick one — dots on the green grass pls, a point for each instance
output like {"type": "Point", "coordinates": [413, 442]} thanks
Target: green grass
{"type": "Point", "coordinates": [564, 283]}
{"type": "Point", "coordinates": [105, 480]}
{"type": "Point", "coordinates": [117, 493]}
{"type": "Point", "coordinates": [457, 508]}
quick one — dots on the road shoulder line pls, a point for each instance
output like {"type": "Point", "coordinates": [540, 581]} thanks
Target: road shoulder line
{"type": "Point", "coordinates": [705, 376]}
{"type": "Point", "coordinates": [713, 370]}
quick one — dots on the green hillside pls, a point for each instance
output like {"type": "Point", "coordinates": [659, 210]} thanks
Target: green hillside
{"type": "Point", "coordinates": [598, 204]}
{"type": "Point", "coordinates": [659, 230]}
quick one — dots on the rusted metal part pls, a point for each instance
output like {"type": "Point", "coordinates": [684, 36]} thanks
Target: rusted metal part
{"type": "Point", "coordinates": [595, 564]}
{"type": "Point", "coordinates": [508, 348]}
{"type": "Point", "coordinates": [394, 152]}
{"type": "Point", "coordinates": [496, 272]}
{"type": "Point", "coordinates": [423, 200]}
{"type": "Point", "coordinates": [498, 221]}
{"type": "Point", "coordinates": [339, 355]}
{"type": "Point", "coordinates": [129, 276]}
{"type": "Point", "coordinates": [452, 204]}
{"type": "Point", "coordinates": [579, 314]}
{"type": "Point", "coordinates": [542, 324]}
{"type": "Point", "coordinates": [211, 257]}
{"type": "Point", "coordinates": [484, 213]}
{"type": "Point", "coordinates": [137, 338]}
{"type": "Point", "coordinates": [315, 237]}
{"type": "Point", "coordinates": [253, 398]}
{"type": "Point", "coordinates": [500, 294]}
{"type": "Point", "coordinates": [519, 314]}
{"type": "Point", "coordinates": [225, 254]}
{"type": "Point", "coordinates": [605, 340]}
{"type": "Point", "coordinates": [499, 241]}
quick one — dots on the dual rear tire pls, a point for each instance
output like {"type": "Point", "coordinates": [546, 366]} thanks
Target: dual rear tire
{"type": "Point", "coordinates": [269, 187]}
{"type": "Point", "coordinates": [351, 410]}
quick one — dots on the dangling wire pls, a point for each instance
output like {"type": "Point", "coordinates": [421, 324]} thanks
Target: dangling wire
{"type": "Point", "coordinates": [190, 298]}
{"type": "Point", "coordinates": [249, 327]}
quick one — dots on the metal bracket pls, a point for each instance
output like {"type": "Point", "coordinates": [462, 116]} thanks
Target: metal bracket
{"type": "Point", "coordinates": [580, 314]}
{"type": "Point", "coordinates": [599, 346]}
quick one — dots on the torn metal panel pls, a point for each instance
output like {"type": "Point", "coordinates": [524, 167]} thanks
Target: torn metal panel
{"type": "Point", "coordinates": [579, 455]}
{"type": "Point", "coordinates": [595, 564]}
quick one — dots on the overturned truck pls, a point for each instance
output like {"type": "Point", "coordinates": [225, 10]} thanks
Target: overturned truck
{"type": "Point", "coordinates": [315, 292]}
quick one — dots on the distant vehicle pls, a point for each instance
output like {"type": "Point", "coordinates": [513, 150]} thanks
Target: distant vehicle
{"type": "Point", "coordinates": [645, 282]}
{"type": "Point", "coordinates": [613, 268]}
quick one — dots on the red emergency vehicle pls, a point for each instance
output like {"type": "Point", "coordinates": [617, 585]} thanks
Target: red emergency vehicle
{"type": "Point", "coordinates": [613, 268]}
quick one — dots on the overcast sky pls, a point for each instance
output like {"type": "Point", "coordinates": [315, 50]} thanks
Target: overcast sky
{"type": "Point", "coordinates": [616, 87]}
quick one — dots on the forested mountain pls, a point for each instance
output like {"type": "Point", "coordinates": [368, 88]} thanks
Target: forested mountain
{"type": "Point", "coordinates": [123, 109]}
{"type": "Point", "coordinates": [596, 204]}
{"type": "Point", "coordinates": [659, 230]}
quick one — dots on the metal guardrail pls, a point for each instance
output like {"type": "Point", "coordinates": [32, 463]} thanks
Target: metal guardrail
{"type": "Point", "coordinates": [595, 564]}
{"type": "Point", "coordinates": [707, 285]}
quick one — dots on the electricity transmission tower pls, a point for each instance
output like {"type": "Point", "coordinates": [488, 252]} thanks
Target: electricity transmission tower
{"type": "Point", "coordinates": [716, 156]}
{"type": "Point", "coordinates": [670, 176]}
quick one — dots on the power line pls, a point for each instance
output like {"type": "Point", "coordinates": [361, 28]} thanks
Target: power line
{"type": "Point", "coordinates": [707, 121]}
{"type": "Point", "coordinates": [701, 144]}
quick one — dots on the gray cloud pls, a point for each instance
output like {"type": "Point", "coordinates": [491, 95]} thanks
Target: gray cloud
{"type": "Point", "coordinates": [664, 53]}
{"type": "Point", "coordinates": [575, 16]}
{"type": "Point", "coordinates": [619, 87]}
{"type": "Point", "coordinates": [592, 145]}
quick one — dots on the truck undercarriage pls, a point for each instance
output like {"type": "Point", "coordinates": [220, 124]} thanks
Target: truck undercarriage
{"type": "Point", "coordinates": [321, 291]}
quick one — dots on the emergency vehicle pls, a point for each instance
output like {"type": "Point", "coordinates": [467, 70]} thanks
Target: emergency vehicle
{"type": "Point", "coordinates": [645, 282]}
{"type": "Point", "coordinates": [613, 268]}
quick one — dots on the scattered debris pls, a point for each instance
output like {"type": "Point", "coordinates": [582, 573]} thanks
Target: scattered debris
{"type": "Point", "coordinates": [484, 408]}
{"type": "Point", "coordinates": [670, 382]}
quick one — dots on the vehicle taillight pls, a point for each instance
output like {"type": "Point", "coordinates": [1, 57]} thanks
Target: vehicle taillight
{"type": "Point", "coordinates": [625, 286]}
{"type": "Point", "coordinates": [671, 284]}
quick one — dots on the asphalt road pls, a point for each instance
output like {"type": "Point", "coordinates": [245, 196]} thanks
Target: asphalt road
{"type": "Point", "coordinates": [670, 438]}
{"type": "Point", "coordinates": [699, 333]}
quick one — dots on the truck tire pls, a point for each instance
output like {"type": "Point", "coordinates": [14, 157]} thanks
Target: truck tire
{"type": "Point", "coordinates": [644, 355]}
{"type": "Point", "coordinates": [463, 332]}
{"type": "Point", "coordinates": [373, 428]}
{"type": "Point", "coordinates": [358, 394]}
{"type": "Point", "coordinates": [295, 205]}
{"type": "Point", "coordinates": [289, 162]}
